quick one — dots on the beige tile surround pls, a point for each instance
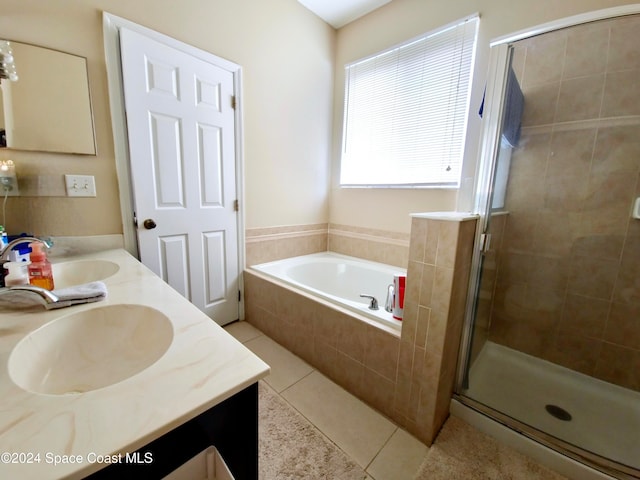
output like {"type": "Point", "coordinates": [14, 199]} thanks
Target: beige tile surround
{"type": "Point", "coordinates": [275, 243]}
{"type": "Point", "coordinates": [408, 377]}
{"type": "Point", "coordinates": [381, 246]}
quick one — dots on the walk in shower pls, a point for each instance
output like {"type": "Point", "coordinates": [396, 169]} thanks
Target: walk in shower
{"type": "Point", "coordinates": [552, 347]}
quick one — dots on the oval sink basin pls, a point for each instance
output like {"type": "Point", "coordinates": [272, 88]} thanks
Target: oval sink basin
{"type": "Point", "coordinates": [91, 349]}
{"type": "Point", "coordinates": [77, 272]}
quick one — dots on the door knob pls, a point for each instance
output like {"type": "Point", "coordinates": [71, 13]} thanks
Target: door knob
{"type": "Point", "coordinates": [149, 224]}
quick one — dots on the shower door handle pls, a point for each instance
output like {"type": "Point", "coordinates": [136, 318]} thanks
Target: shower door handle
{"type": "Point", "coordinates": [485, 242]}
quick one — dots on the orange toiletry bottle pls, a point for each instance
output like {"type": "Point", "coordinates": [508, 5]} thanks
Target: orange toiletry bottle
{"type": "Point", "coordinates": [40, 272]}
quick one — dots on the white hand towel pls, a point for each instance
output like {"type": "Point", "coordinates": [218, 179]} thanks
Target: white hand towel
{"type": "Point", "coordinates": [13, 298]}
{"type": "Point", "coordinates": [86, 293]}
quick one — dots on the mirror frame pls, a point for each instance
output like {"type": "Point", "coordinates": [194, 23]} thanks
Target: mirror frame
{"type": "Point", "coordinates": [89, 144]}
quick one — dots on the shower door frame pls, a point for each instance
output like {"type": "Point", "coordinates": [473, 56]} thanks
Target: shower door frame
{"type": "Point", "coordinates": [493, 112]}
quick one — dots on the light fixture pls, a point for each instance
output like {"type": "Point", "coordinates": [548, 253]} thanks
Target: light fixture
{"type": "Point", "coordinates": [7, 65]}
{"type": "Point", "coordinates": [7, 165]}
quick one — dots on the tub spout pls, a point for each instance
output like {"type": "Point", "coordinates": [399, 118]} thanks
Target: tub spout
{"type": "Point", "coordinates": [391, 291]}
{"type": "Point", "coordinates": [374, 303]}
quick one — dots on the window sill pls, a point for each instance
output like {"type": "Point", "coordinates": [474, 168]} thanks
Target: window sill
{"type": "Point", "coordinates": [402, 187]}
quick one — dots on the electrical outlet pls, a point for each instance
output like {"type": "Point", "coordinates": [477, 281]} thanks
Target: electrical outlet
{"type": "Point", "coordinates": [8, 185]}
{"type": "Point", "coordinates": [8, 179]}
{"type": "Point", "coordinates": [80, 185]}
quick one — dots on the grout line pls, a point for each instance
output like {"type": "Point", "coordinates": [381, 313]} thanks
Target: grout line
{"type": "Point", "coordinates": [381, 448]}
{"type": "Point", "coordinates": [298, 381]}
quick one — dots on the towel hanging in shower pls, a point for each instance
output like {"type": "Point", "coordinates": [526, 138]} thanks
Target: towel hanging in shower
{"type": "Point", "coordinates": [514, 106]}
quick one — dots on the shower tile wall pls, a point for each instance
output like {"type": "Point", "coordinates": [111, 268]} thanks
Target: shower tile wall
{"type": "Point", "coordinates": [567, 285]}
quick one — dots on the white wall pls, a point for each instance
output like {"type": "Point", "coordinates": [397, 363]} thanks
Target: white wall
{"type": "Point", "coordinates": [287, 57]}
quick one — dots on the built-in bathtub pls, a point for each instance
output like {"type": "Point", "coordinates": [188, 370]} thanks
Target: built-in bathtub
{"type": "Point", "coordinates": [339, 279]}
{"type": "Point", "coordinates": [311, 305]}
{"type": "Point", "coordinates": [403, 369]}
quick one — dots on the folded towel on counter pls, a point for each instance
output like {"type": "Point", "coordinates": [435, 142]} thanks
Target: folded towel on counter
{"type": "Point", "coordinates": [17, 298]}
{"type": "Point", "coordinates": [86, 293]}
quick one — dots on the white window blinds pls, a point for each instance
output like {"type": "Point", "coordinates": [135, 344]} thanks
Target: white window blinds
{"type": "Point", "coordinates": [406, 111]}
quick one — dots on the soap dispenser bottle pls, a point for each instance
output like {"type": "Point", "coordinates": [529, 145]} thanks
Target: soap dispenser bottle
{"type": "Point", "coordinates": [40, 272]}
{"type": "Point", "coordinates": [16, 274]}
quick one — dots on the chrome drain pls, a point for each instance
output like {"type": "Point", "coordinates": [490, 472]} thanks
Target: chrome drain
{"type": "Point", "coordinates": [558, 412]}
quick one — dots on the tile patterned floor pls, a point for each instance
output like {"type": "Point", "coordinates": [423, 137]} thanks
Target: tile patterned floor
{"type": "Point", "coordinates": [381, 448]}
{"type": "Point", "coordinates": [384, 450]}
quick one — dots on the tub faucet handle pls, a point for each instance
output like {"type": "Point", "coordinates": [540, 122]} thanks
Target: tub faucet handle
{"type": "Point", "coordinates": [374, 303]}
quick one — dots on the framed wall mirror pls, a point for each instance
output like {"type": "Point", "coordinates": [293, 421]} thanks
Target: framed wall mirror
{"type": "Point", "coordinates": [47, 107]}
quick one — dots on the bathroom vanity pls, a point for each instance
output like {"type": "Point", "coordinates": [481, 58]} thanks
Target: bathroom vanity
{"type": "Point", "coordinates": [128, 387]}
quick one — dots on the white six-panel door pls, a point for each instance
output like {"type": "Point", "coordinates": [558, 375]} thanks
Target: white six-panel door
{"type": "Point", "coordinates": [180, 123]}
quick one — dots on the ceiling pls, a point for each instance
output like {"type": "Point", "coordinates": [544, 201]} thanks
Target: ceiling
{"type": "Point", "coordinates": [338, 13]}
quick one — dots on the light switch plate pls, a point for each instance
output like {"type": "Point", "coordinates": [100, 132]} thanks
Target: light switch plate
{"type": "Point", "coordinates": [80, 185]}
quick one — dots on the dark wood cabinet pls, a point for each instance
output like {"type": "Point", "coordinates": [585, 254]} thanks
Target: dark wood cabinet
{"type": "Point", "coordinates": [231, 426]}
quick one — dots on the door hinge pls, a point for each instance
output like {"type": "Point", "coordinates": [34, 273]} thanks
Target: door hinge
{"type": "Point", "coordinates": [233, 102]}
{"type": "Point", "coordinates": [485, 242]}
{"type": "Point", "coordinates": [239, 295]}
{"type": "Point", "coordinates": [236, 206]}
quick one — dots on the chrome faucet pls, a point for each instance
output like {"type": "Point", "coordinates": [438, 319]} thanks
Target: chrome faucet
{"type": "Point", "coordinates": [391, 291]}
{"type": "Point", "coordinates": [4, 253]}
{"type": "Point", "coordinates": [374, 302]}
{"type": "Point", "coordinates": [49, 299]}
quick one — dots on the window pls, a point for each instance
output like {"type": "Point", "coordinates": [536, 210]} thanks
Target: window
{"type": "Point", "coordinates": [406, 111]}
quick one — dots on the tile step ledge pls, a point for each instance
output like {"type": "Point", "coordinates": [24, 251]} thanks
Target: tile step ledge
{"type": "Point", "coordinates": [450, 216]}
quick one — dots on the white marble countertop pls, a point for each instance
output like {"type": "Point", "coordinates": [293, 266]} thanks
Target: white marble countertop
{"type": "Point", "coordinates": [203, 366]}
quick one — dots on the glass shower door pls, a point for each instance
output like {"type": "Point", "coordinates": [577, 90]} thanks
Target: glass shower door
{"type": "Point", "coordinates": [555, 347]}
